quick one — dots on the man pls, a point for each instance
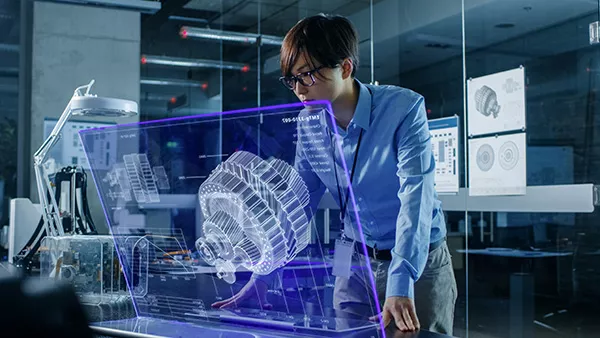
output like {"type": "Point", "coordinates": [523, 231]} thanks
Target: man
{"type": "Point", "coordinates": [401, 216]}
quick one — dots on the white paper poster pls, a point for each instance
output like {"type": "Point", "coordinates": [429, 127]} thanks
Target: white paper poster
{"type": "Point", "coordinates": [444, 141]}
{"type": "Point", "coordinates": [497, 165]}
{"type": "Point", "coordinates": [68, 150]}
{"type": "Point", "coordinates": [496, 102]}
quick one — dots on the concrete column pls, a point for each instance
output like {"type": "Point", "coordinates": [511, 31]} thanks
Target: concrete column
{"type": "Point", "coordinates": [71, 45]}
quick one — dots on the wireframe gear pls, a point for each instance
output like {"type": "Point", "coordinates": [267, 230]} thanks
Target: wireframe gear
{"type": "Point", "coordinates": [254, 212]}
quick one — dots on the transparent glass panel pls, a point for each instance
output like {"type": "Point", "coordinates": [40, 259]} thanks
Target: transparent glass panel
{"type": "Point", "coordinates": [194, 219]}
{"type": "Point", "coordinates": [533, 272]}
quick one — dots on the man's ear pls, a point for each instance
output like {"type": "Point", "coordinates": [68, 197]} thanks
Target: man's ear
{"type": "Point", "coordinates": [347, 67]}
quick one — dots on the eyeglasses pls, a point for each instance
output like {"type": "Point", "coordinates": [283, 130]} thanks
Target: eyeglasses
{"type": "Point", "coordinates": [305, 78]}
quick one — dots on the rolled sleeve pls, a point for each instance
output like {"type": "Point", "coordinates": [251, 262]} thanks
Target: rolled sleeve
{"type": "Point", "coordinates": [417, 197]}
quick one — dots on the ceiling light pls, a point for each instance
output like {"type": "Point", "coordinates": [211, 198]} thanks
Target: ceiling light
{"type": "Point", "coordinates": [228, 36]}
{"type": "Point", "coordinates": [191, 63]}
{"type": "Point", "coordinates": [170, 82]}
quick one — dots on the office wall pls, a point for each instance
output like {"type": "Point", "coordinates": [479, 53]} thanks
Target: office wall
{"type": "Point", "coordinates": [72, 45]}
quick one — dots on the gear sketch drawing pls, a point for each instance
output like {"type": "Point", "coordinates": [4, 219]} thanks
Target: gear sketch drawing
{"type": "Point", "coordinates": [253, 215]}
{"type": "Point", "coordinates": [485, 157]}
{"type": "Point", "coordinates": [511, 86]}
{"type": "Point", "coordinates": [486, 101]}
{"type": "Point", "coordinates": [509, 155]}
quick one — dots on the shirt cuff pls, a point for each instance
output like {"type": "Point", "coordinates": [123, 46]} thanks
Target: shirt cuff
{"type": "Point", "coordinates": [400, 286]}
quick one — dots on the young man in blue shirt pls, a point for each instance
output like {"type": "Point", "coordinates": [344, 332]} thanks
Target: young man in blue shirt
{"type": "Point", "coordinates": [402, 220]}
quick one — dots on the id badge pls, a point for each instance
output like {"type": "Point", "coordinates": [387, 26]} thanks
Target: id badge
{"type": "Point", "coordinates": [342, 258]}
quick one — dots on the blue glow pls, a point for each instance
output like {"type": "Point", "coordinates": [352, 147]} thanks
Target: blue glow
{"type": "Point", "coordinates": [194, 219]}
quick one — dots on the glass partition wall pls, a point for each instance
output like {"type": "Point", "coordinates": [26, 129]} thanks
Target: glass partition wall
{"type": "Point", "coordinates": [532, 256]}
{"type": "Point", "coordinates": [510, 90]}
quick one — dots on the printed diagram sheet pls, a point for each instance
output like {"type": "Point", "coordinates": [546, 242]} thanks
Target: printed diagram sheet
{"type": "Point", "coordinates": [68, 151]}
{"type": "Point", "coordinates": [497, 165]}
{"type": "Point", "coordinates": [496, 102]}
{"type": "Point", "coordinates": [444, 141]}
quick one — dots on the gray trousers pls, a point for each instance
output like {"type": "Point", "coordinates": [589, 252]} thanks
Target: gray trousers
{"type": "Point", "coordinates": [435, 291]}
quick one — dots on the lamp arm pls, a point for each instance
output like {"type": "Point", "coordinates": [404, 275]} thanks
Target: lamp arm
{"type": "Point", "coordinates": [52, 222]}
{"type": "Point", "coordinates": [51, 219]}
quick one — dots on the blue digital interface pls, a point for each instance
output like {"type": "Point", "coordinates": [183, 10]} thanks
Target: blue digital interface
{"type": "Point", "coordinates": [205, 208]}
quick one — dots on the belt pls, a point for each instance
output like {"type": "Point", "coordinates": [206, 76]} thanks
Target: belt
{"type": "Point", "coordinates": [386, 255]}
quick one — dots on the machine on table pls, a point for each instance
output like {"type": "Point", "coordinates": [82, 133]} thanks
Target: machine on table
{"type": "Point", "coordinates": [63, 209]}
{"type": "Point", "coordinates": [254, 217]}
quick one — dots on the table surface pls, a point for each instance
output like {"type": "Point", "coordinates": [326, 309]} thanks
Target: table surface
{"type": "Point", "coordinates": [143, 327]}
{"type": "Point", "coordinates": [508, 252]}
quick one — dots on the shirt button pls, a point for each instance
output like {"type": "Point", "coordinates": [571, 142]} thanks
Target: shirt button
{"type": "Point", "coordinates": [360, 199]}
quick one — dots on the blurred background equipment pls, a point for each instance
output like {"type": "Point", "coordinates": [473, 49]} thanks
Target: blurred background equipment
{"type": "Point", "coordinates": [63, 202]}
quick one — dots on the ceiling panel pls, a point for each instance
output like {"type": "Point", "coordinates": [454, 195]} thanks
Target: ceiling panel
{"type": "Point", "coordinates": [420, 46]}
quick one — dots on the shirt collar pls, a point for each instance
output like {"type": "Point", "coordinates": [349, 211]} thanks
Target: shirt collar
{"type": "Point", "coordinates": [362, 113]}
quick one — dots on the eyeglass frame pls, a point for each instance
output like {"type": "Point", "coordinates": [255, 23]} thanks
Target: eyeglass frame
{"type": "Point", "coordinates": [303, 74]}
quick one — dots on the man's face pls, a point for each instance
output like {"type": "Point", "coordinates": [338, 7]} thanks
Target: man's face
{"type": "Point", "coordinates": [327, 86]}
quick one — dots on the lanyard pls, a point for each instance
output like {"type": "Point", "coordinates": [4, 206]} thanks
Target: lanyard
{"type": "Point", "coordinates": [344, 205]}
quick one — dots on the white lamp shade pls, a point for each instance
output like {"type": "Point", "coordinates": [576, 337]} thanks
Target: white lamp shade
{"type": "Point", "coordinates": [103, 106]}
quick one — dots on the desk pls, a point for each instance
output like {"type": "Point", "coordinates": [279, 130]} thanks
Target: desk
{"type": "Point", "coordinates": [144, 328]}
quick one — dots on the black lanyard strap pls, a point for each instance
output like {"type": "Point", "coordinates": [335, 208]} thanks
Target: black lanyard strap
{"type": "Point", "coordinates": [343, 206]}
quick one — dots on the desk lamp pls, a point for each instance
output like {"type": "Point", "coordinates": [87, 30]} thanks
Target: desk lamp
{"type": "Point", "coordinates": [81, 104]}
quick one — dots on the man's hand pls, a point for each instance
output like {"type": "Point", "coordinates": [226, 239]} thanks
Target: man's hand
{"type": "Point", "coordinates": [402, 311]}
{"type": "Point", "coordinates": [255, 288]}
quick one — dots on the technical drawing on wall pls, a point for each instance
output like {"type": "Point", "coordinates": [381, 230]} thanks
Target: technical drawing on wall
{"type": "Point", "coordinates": [444, 136]}
{"type": "Point", "coordinates": [68, 151]}
{"type": "Point", "coordinates": [497, 165]}
{"type": "Point", "coordinates": [485, 157]}
{"type": "Point", "coordinates": [254, 215]}
{"type": "Point", "coordinates": [496, 102]}
{"type": "Point", "coordinates": [509, 155]}
{"type": "Point", "coordinates": [486, 102]}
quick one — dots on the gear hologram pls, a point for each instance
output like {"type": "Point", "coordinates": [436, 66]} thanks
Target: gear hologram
{"type": "Point", "coordinates": [254, 215]}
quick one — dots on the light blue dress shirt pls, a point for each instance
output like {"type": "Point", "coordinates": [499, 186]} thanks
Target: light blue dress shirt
{"type": "Point", "coordinates": [393, 185]}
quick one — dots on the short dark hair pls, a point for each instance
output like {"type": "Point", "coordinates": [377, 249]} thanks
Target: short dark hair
{"type": "Point", "coordinates": [327, 39]}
